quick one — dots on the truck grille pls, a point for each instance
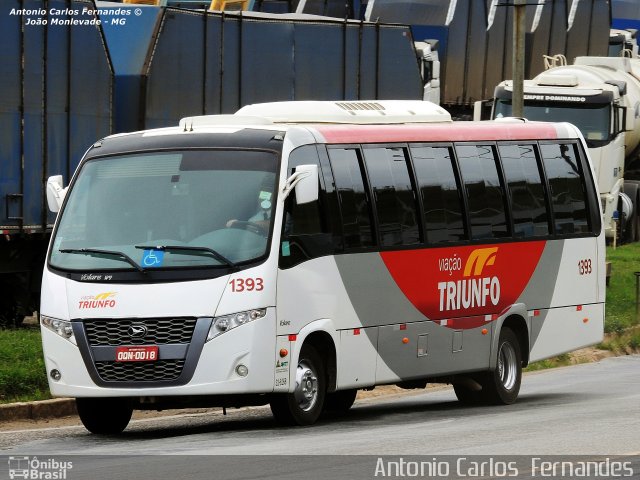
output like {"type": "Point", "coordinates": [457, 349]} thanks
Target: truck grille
{"type": "Point", "coordinates": [158, 331]}
{"type": "Point", "coordinates": [140, 372]}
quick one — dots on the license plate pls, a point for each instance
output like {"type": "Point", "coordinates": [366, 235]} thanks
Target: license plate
{"type": "Point", "coordinates": [137, 354]}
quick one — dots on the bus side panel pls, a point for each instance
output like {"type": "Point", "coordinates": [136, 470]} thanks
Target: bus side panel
{"type": "Point", "coordinates": [577, 281]}
{"type": "Point", "coordinates": [575, 318]}
{"type": "Point", "coordinates": [431, 348]}
{"type": "Point", "coordinates": [410, 345]}
{"type": "Point", "coordinates": [314, 290]}
{"type": "Point", "coordinates": [357, 358]}
{"type": "Point", "coordinates": [560, 330]}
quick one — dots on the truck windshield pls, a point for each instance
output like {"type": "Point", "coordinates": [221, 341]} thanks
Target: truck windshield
{"type": "Point", "coordinates": [593, 120]}
{"type": "Point", "coordinates": [167, 210]}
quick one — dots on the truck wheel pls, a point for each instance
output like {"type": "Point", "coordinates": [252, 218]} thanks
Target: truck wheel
{"type": "Point", "coordinates": [501, 386]}
{"type": "Point", "coordinates": [636, 218]}
{"type": "Point", "coordinates": [304, 405]}
{"type": "Point", "coordinates": [341, 401]}
{"type": "Point", "coordinates": [104, 416]}
{"type": "Point", "coordinates": [631, 231]}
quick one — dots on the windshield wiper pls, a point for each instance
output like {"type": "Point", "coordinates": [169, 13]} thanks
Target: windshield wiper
{"type": "Point", "coordinates": [109, 253]}
{"type": "Point", "coordinates": [178, 248]}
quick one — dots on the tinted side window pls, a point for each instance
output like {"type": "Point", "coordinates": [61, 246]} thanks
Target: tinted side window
{"type": "Point", "coordinates": [356, 218]}
{"type": "Point", "coordinates": [393, 195]}
{"type": "Point", "coordinates": [440, 192]}
{"type": "Point", "coordinates": [484, 192]}
{"type": "Point", "coordinates": [567, 188]}
{"type": "Point", "coordinates": [526, 189]}
{"type": "Point", "coordinates": [305, 233]}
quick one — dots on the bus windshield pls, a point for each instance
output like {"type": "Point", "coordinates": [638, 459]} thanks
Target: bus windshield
{"type": "Point", "coordinates": [166, 210]}
{"type": "Point", "coordinates": [593, 120]}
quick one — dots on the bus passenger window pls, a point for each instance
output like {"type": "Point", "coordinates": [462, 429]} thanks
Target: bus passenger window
{"type": "Point", "coordinates": [485, 194]}
{"type": "Point", "coordinates": [440, 192]}
{"type": "Point", "coordinates": [528, 203]}
{"type": "Point", "coordinates": [354, 206]}
{"type": "Point", "coordinates": [567, 188]}
{"type": "Point", "coordinates": [393, 193]}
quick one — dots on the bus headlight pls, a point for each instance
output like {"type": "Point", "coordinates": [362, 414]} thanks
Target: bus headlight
{"type": "Point", "coordinates": [61, 327]}
{"type": "Point", "coordinates": [229, 322]}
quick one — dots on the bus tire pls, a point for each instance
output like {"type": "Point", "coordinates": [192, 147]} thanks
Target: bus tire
{"type": "Point", "coordinates": [501, 386]}
{"type": "Point", "coordinates": [104, 416]}
{"type": "Point", "coordinates": [340, 402]}
{"type": "Point", "coordinates": [304, 405]}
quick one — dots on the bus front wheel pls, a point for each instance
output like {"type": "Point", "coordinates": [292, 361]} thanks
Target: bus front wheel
{"type": "Point", "coordinates": [502, 385]}
{"type": "Point", "coordinates": [304, 405]}
{"type": "Point", "coordinates": [104, 416]}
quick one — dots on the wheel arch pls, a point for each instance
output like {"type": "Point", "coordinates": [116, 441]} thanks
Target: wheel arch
{"type": "Point", "coordinates": [324, 344]}
{"type": "Point", "coordinates": [518, 325]}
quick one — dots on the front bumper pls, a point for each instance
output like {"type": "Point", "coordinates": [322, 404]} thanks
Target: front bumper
{"type": "Point", "coordinates": [209, 368]}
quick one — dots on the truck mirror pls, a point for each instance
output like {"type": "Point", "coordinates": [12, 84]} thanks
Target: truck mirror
{"type": "Point", "coordinates": [55, 193]}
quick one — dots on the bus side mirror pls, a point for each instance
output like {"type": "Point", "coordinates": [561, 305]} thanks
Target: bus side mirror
{"type": "Point", "coordinates": [305, 182]}
{"type": "Point", "coordinates": [55, 193]}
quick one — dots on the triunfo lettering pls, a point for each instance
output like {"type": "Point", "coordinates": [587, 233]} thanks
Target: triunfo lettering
{"type": "Point", "coordinates": [469, 293]}
{"type": "Point", "coordinates": [102, 300]}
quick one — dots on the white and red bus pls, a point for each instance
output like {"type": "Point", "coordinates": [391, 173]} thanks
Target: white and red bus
{"type": "Point", "coordinates": [296, 252]}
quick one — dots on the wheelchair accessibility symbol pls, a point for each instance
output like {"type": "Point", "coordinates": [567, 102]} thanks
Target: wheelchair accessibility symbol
{"type": "Point", "coordinates": [152, 258]}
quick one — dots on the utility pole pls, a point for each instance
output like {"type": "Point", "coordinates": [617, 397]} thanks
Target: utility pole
{"type": "Point", "coordinates": [519, 27]}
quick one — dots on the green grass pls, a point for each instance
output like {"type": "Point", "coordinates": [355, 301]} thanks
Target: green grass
{"type": "Point", "coordinates": [621, 294]}
{"type": "Point", "coordinates": [559, 361]}
{"type": "Point", "coordinates": [22, 372]}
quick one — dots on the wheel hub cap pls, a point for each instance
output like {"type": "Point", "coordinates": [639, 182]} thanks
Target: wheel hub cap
{"type": "Point", "coordinates": [306, 392]}
{"type": "Point", "coordinates": [507, 367]}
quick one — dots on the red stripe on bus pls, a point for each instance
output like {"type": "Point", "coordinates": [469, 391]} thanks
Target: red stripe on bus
{"type": "Point", "coordinates": [450, 132]}
{"type": "Point", "coordinates": [467, 281]}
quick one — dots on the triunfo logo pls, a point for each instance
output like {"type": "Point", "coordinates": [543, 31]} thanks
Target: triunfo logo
{"type": "Point", "coordinates": [473, 290]}
{"type": "Point", "coordinates": [101, 300]}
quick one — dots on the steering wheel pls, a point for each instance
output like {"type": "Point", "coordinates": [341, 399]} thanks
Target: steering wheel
{"type": "Point", "coordinates": [249, 226]}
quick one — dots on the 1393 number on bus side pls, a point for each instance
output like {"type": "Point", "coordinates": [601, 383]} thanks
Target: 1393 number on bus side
{"type": "Point", "coordinates": [247, 285]}
{"type": "Point", "coordinates": [584, 267]}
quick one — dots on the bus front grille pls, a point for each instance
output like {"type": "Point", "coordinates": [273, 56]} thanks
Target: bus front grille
{"type": "Point", "coordinates": [157, 331]}
{"type": "Point", "coordinates": [179, 342]}
{"type": "Point", "coordinates": [140, 371]}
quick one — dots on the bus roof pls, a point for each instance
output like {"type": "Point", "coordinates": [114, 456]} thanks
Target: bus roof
{"type": "Point", "coordinates": [343, 112]}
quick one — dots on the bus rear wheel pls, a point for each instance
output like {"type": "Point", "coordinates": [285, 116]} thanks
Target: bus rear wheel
{"type": "Point", "coordinates": [304, 405]}
{"type": "Point", "coordinates": [104, 416]}
{"type": "Point", "coordinates": [501, 386]}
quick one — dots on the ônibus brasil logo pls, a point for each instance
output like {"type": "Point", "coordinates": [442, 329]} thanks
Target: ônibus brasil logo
{"type": "Point", "coordinates": [473, 290]}
{"type": "Point", "coordinates": [32, 468]}
{"type": "Point", "coordinates": [101, 300]}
